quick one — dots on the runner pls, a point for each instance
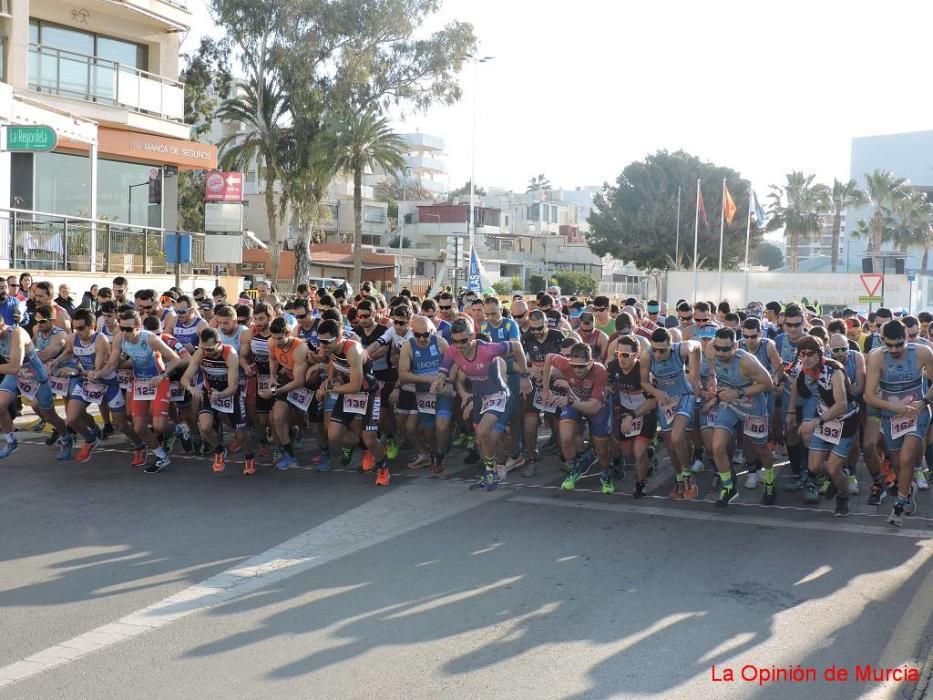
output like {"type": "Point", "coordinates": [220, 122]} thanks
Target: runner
{"type": "Point", "coordinates": [539, 342]}
{"type": "Point", "coordinates": [288, 363]}
{"type": "Point", "coordinates": [501, 330]}
{"type": "Point", "coordinates": [765, 351]}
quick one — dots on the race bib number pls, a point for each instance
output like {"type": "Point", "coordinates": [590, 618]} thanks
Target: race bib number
{"type": "Point", "coordinates": [902, 425]}
{"type": "Point", "coordinates": [223, 405]}
{"type": "Point", "coordinates": [635, 430]}
{"type": "Point", "coordinates": [58, 385]}
{"type": "Point", "coordinates": [27, 387]}
{"type": "Point", "coordinates": [830, 431]}
{"type": "Point", "coordinates": [756, 426]}
{"type": "Point", "coordinates": [176, 392]}
{"type": "Point", "coordinates": [93, 392]}
{"type": "Point", "coordinates": [355, 403]}
{"type": "Point", "coordinates": [300, 398]}
{"type": "Point", "coordinates": [125, 378]}
{"type": "Point", "coordinates": [541, 404]}
{"type": "Point", "coordinates": [670, 411]}
{"type": "Point", "coordinates": [144, 389]}
{"type": "Point", "coordinates": [494, 402]}
{"type": "Point", "coordinates": [263, 382]}
{"type": "Point", "coordinates": [427, 403]}
{"type": "Point", "coordinates": [710, 418]}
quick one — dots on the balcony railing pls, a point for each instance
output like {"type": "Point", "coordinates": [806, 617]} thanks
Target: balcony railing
{"type": "Point", "coordinates": [83, 77]}
{"type": "Point", "coordinates": [38, 241]}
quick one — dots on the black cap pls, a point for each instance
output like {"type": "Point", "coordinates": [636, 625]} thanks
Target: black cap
{"type": "Point", "coordinates": [206, 304]}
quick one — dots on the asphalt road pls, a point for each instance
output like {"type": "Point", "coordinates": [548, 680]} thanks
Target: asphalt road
{"type": "Point", "coordinates": [115, 584]}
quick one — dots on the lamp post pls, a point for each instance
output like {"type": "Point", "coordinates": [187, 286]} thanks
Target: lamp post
{"type": "Point", "coordinates": [471, 232]}
{"type": "Point", "coordinates": [129, 209]}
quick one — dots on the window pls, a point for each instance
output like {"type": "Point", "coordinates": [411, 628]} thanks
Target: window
{"type": "Point", "coordinates": [533, 213]}
{"type": "Point", "coordinates": [372, 240]}
{"type": "Point", "coordinates": [251, 176]}
{"type": "Point", "coordinates": [374, 215]}
{"type": "Point", "coordinates": [553, 215]}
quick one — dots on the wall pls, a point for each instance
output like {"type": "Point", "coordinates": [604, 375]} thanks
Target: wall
{"type": "Point", "coordinates": [840, 288]}
{"type": "Point", "coordinates": [81, 281]}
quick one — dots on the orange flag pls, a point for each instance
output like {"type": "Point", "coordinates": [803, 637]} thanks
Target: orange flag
{"type": "Point", "coordinates": [728, 205]}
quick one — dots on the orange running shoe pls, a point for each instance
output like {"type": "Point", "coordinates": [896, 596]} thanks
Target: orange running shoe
{"type": "Point", "coordinates": [84, 454]}
{"type": "Point", "coordinates": [235, 445]}
{"type": "Point", "coordinates": [250, 467]}
{"type": "Point", "coordinates": [219, 465]}
{"type": "Point", "coordinates": [382, 476]}
{"type": "Point", "coordinates": [369, 462]}
{"type": "Point", "coordinates": [679, 491]}
{"type": "Point", "coordinates": [139, 457]}
{"type": "Point", "coordinates": [691, 491]}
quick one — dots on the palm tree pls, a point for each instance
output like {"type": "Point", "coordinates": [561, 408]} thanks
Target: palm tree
{"type": "Point", "coordinates": [844, 195]}
{"type": "Point", "coordinates": [538, 184]}
{"type": "Point", "coordinates": [884, 190]}
{"type": "Point", "coordinates": [360, 142]}
{"type": "Point", "coordinates": [798, 208]}
{"type": "Point", "coordinates": [912, 228]}
{"type": "Point", "coordinates": [259, 109]}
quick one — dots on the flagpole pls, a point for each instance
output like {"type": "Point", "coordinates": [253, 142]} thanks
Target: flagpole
{"type": "Point", "coordinates": [748, 233]}
{"type": "Point", "coordinates": [677, 236]}
{"type": "Point", "coordinates": [696, 238]}
{"type": "Point", "coordinates": [722, 231]}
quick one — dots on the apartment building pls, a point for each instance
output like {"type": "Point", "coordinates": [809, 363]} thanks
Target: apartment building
{"type": "Point", "coordinates": [102, 74]}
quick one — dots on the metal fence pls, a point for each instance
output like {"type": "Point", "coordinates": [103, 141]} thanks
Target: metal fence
{"type": "Point", "coordinates": [32, 240]}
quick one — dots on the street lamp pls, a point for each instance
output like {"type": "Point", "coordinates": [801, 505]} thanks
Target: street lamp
{"type": "Point", "coordinates": [129, 209]}
{"type": "Point", "coordinates": [471, 232]}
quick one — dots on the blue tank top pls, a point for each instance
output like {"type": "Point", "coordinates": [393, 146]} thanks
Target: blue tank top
{"type": "Point", "coordinates": [850, 365]}
{"type": "Point", "coordinates": [705, 374]}
{"type": "Point", "coordinates": [507, 330]}
{"type": "Point", "coordinates": [233, 340]}
{"type": "Point", "coordinates": [32, 367]}
{"type": "Point", "coordinates": [671, 373]}
{"type": "Point", "coordinates": [901, 380]}
{"type": "Point", "coordinates": [761, 354]}
{"type": "Point", "coordinates": [42, 341]}
{"type": "Point", "coordinates": [86, 355]}
{"type": "Point", "coordinates": [788, 353]}
{"type": "Point", "coordinates": [141, 355]}
{"type": "Point", "coordinates": [425, 360]}
{"type": "Point", "coordinates": [188, 334]}
{"type": "Point", "coordinates": [729, 375]}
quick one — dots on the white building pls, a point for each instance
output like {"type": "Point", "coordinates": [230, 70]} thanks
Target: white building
{"type": "Point", "coordinates": [424, 164]}
{"type": "Point", "coordinates": [821, 245]}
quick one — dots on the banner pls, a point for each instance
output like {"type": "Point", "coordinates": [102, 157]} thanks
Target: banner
{"type": "Point", "coordinates": [477, 280]}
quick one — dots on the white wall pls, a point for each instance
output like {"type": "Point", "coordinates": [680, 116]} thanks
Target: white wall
{"type": "Point", "coordinates": [81, 281]}
{"type": "Point", "coordinates": [841, 288]}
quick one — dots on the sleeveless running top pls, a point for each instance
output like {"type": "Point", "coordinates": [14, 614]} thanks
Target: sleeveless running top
{"type": "Point", "coordinates": [671, 373]}
{"type": "Point", "coordinates": [820, 385]}
{"type": "Point", "coordinates": [627, 386]}
{"type": "Point", "coordinates": [259, 349]}
{"type": "Point", "coordinates": [761, 354]}
{"type": "Point", "coordinates": [188, 334]}
{"type": "Point", "coordinates": [425, 360]}
{"type": "Point", "coordinates": [32, 367]}
{"type": "Point", "coordinates": [146, 363]}
{"type": "Point", "coordinates": [215, 369]}
{"type": "Point", "coordinates": [901, 380]}
{"type": "Point", "coordinates": [87, 354]}
{"type": "Point", "coordinates": [41, 341]}
{"type": "Point", "coordinates": [341, 366]}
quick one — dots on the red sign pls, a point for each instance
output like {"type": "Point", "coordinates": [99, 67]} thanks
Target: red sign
{"type": "Point", "coordinates": [872, 282]}
{"type": "Point", "coordinates": [223, 187]}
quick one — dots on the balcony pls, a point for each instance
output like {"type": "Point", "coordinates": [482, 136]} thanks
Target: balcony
{"type": "Point", "coordinates": [423, 142]}
{"type": "Point", "coordinates": [81, 77]}
{"type": "Point", "coordinates": [424, 163]}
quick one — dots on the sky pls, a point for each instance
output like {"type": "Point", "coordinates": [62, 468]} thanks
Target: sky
{"type": "Point", "coordinates": [577, 90]}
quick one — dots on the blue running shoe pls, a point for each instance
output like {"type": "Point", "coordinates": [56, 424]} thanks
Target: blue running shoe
{"type": "Point", "coordinates": [492, 480]}
{"type": "Point", "coordinates": [286, 462]}
{"type": "Point", "coordinates": [323, 462]}
{"type": "Point", "coordinates": [8, 449]}
{"type": "Point", "coordinates": [64, 453]}
{"type": "Point", "coordinates": [483, 481]}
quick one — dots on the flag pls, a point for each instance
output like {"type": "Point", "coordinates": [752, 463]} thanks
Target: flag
{"type": "Point", "coordinates": [477, 282]}
{"type": "Point", "coordinates": [759, 212]}
{"type": "Point", "coordinates": [728, 205]}
{"type": "Point", "coordinates": [702, 209]}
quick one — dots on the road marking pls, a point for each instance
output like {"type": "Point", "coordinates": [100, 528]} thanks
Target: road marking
{"type": "Point", "coordinates": [728, 518]}
{"type": "Point", "coordinates": [399, 511]}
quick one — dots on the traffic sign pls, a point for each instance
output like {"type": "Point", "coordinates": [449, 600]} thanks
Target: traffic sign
{"type": "Point", "coordinates": [29, 138]}
{"type": "Point", "coordinates": [177, 247]}
{"type": "Point", "coordinates": [912, 276]}
{"type": "Point", "coordinates": [869, 300]}
{"type": "Point", "coordinates": [872, 282]}
{"type": "Point", "coordinates": [223, 187]}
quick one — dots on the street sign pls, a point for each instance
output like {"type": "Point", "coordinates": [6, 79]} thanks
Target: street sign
{"type": "Point", "coordinates": [29, 139]}
{"type": "Point", "coordinates": [872, 282]}
{"type": "Point", "coordinates": [177, 247]}
{"type": "Point", "coordinates": [869, 300]}
{"type": "Point", "coordinates": [223, 187]}
{"type": "Point", "coordinates": [912, 276]}
{"type": "Point", "coordinates": [223, 217]}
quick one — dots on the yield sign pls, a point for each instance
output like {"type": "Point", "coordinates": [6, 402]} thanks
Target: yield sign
{"type": "Point", "coordinates": [871, 281]}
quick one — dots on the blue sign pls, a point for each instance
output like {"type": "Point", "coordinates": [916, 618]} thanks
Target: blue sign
{"type": "Point", "coordinates": [177, 247]}
{"type": "Point", "coordinates": [911, 276]}
{"type": "Point", "coordinates": [473, 283]}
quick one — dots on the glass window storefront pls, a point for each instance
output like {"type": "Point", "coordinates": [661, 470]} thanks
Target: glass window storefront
{"type": "Point", "coordinates": [61, 187]}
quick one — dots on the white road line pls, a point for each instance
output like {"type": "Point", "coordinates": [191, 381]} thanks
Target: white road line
{"type": "Point", "coordinates": [830, 525]}
{"type": "Point", "coordinates": [383, 518]}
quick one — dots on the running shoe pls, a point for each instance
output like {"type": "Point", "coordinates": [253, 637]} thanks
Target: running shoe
{"type": "Point", "coordinates": [8, 449]}
{"type": "Point", "coordinates": [218, 465]}
{"type": "Point", "coordinates": [514, 462]}
{"type": "Point", "coordinates": [492, 483]}
{"type": "Point", "coordinates": [391, 448]}
{"type": "Point", "coordinates": [285, 462]}
{"type": "Point", "coordinates": [249, 468]}
{"type": "Point", "coordinates": [382, 476]}
{"type": "Point", "coordinates": [140, 455]}
{"type": "Point", "coordinates": [39, 426]}
{"type": "Point", "coordinates": [797, 483]}
{"type": "Point", "coordinates": [769, 497]}
{"type": "Point", "coordinates": [691, 491]}
{"type": "Point", "coordinates": [184, 437]}
{"type": "Point", "coordinates": [829, 490]}
{"type": "Point", "coordinates": [842, 507]}
{"type": "Point", "coordinates": [64, 451]}
{"type": "Point", "coordinates": [738, 459]}
{"type": "Point", "coordinates": [437, 465]}
{"type": "Point", "coordinates": [608, 488]}
{"type": "Point", "coordinates": [419, 462]}
{"type": "Point", "coordinates": [529, 469]}
{"type": "Point", "coordinates": [853, 485]}
{"type": "Point", "coordinates": [277, 454]}
{"type": "Point", "coordinates": [502, 472]}
{"type": "Point", "coordinates": [52, 438]}
{"type": "Point", "coordinates": [678, 493]}
{"type": "Point", "coordinates": [571, 481]}
{"type": "Point", "coordinates": [751, 480]}
{"type": "Point", "coordinates": [461, 440]}
{"type": "Point", "coordinates": [168, 442]}
{"type": "Point", "coordinates": [697, 466]}
{"type": "Point", "coordinates": [876, 495]}
{"type": "Point", "coordinates": [160, 464]}
{"type": "Point", "coordinates": [368, 462]}
{"type": "Point", "coordinates": [897, 514]}
{"type": "Point", "coordinates": [483, 480]}
{"type": "Point", "coordinates": [346, 455]}
{"type": "Point", "coordinates": [919, 480]}
{"type": "Point", "coordinates": [726, 496]}
{"type": "Point", "coordinates": [641, 490]}
{"type": "Point", "coordinates": [235, 445]}
{"type": "Point", "coordinates": [321, 462]}
{"type": "Point", "coordinates": [84, 454]}
{"type": "Point", "coordinates": [108, 431]}
{"type": "Point", "coordinates": [811, 494]}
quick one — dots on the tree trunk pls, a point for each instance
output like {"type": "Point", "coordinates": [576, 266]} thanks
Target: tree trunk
{"type": "Point", "coordinates": [923, 260]}
{"type": "Point", "coordinates": [794, 243]}
{"type": "Point", "coordinates": [303, 252]}
{"type": "Point", "coordinates": [357, 229]}
{"type": "Point", "coordinates": [273, 232]}
{"type": "Point", "coordinates": [837, 228]}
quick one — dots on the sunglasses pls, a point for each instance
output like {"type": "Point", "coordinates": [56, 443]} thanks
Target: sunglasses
{"type": "Point", "coordinates": [839, 351]}
{"type": "Point", "coordinates": [424, 336]}
{"type": "Point", "coordinates": [685, 318]}
{"type": "Point", "coordinates": [518, 316]}
{"type": "Point", "coordinates": [894, 346]}
{"type": "Point", "coordinates": [661, 350]}
{"type": "Point", "coordinates": [807, 353]}
{"type": "Point", "coordinates": [461, 341]}
{"type": "Point", "coordinates": [577, 367]}
{"type": "Point", "coordinates": [750, 337]}
{"type": "Point", "coordinates": [445, 308]}
{"type": "Point", "coordinates": [536, 329]}
{"type": "Point", "coordinates": [599, 308]}
{"type": "Point", "coordinates": [397, 322]}
{"type": "Point", "coordinates": [359, 315]}
{"type": "Point", "coordinates": [12, 285]}
{"type": "Point", "coordinates": [722, 349]}
{"type": "Point", "coordinates": [626, 354]}
{"type": "Point", "coordinates": [701, 320]}
{"type": "Point", "coordinates": [793, 325]}
{"type": "Point", "coordinates": [127, 329]}
{"type": "Point", "coordinates": [324, 341]}
{"type": "Point", "coordinates": [42, 320]}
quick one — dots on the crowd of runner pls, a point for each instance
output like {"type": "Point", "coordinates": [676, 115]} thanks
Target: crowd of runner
{"type": "Point", "coordinates": [599, 383]}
